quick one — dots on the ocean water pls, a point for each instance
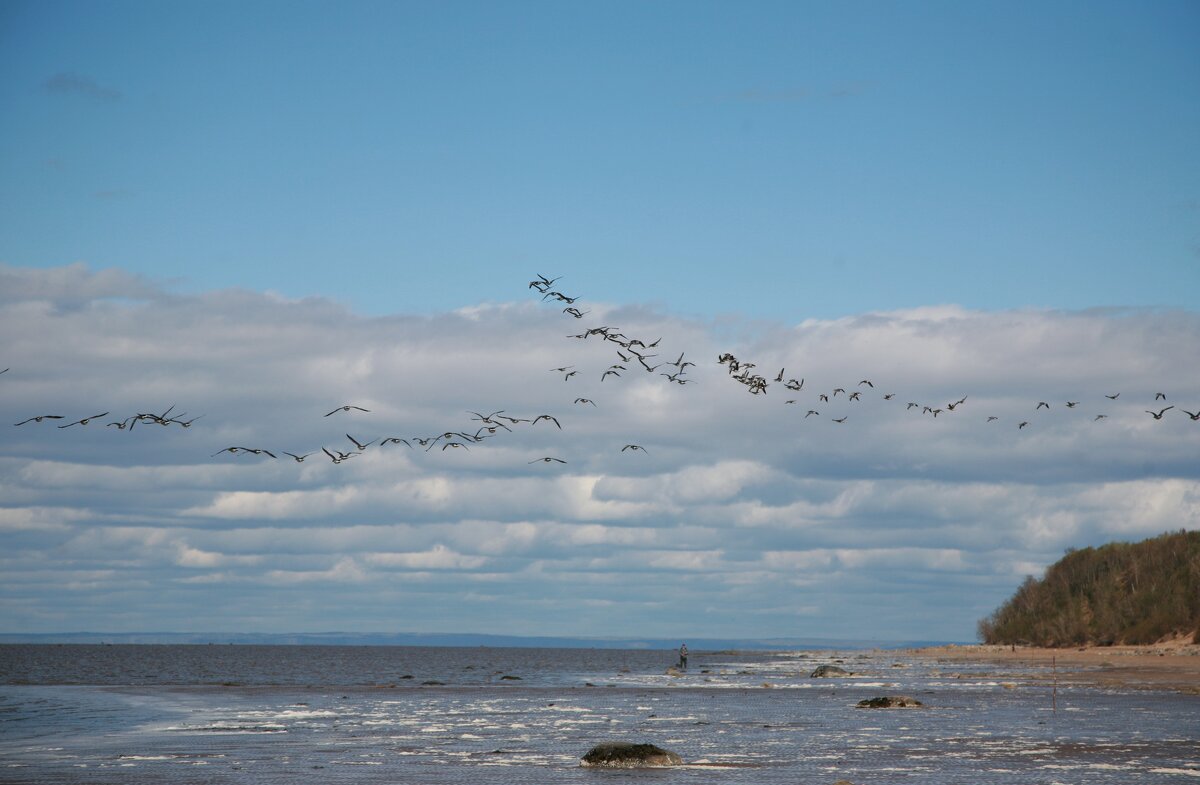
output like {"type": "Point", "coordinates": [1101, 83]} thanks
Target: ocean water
{"type": "Point", "coordinates": [374, 714]}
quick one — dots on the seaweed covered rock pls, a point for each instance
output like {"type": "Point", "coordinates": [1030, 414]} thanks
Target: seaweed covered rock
{"type": "Point", "coordinates": [627, 755]}
{"type": "Point", "coordinates": [828, 672]}
{"type": "Point", "coordinates": [890, 702]}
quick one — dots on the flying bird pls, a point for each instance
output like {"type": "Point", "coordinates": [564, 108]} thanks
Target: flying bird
{"type": "Point", "coordinates": [1113, 397]}
{"type": "Point", "coordinates": [547, 459]}
{"type": "Point", "coordinates": [634, 447]}
{"type": "Point", "coordinates": [840, 420]}
{"type": "Point", "coordinates": [1160, 397]}
{"type": "Point", "coordinates": [84, 421]}
{"type": "Point", "coordinates": [1022, 424]}
{"type": "Point", "coordinates": [347, 408]}
{"type": "Point", "coordinates": [297, 458]}
{"type": "Point", "coordinates": [585, 400]}
{"type": "Point", "coordinates": [1193, 415]}
{"type": "Point", "coordinates": [341, 456]}
{"type": "Point", "coordinates": [1040, 405]}
{"type": "Point", "coordinates": [1158, 416]}
{"type": "Point", "coordinates": [39, 418]}
{"type": "Point", "coordinates": [357, 444]}
{"type": "Point", "coordinates": [234, 450]}
{"type": "Point", "coordinates": [395, 440]}
{"type": "Point", "coordinates": [547, 417]}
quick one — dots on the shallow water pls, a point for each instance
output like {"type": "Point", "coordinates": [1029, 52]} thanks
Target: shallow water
{"type": "Point", "coordinates": [264, 714]}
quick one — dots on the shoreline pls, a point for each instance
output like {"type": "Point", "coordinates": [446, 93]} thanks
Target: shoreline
{"type": "Point", "coordinates": [1169, 666]}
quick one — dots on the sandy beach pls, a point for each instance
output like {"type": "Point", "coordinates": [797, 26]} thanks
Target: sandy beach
{"type": "Point", "coordinates": [1170, 665]}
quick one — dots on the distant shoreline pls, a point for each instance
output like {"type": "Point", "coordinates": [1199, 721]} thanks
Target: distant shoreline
{"type": "Point", "coordinates": [1171, 666]}
{"type": "Point", "coordinates": [696, 644]}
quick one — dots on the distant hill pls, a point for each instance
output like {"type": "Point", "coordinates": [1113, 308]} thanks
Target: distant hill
{"type": "Point", "coordinates": [455, 639]}
{"type": "Point", "coordinates": [1120, 593]}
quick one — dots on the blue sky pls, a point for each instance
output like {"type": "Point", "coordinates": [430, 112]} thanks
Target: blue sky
{"type": "Point", "coordinates": [779, 159]}
{"type": "Point", "coordinates": [258, 212]}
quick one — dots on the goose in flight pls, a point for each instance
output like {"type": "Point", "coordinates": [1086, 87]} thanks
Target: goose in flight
{"type": "Point", "coordinates": [347, 408]}
{"type": "Point", "coordinates": [1160, 397]}
{"type": "Point", "coordinates": [1022, 424]}
{"type": "Point", "coordinates": [359, 445]}
{"type": "Point", "coordinates": [1040, 405]}
{"type": "Point", "coordinates": [634, 447]}
{"type": "Point", "coordinates": [547, 459]}
{"type": "Point", "coordinates": [1113, 397]}
{"type": "Point", "coordinates": [547, 417]}
{"type": "Point", "coordinates": [341, 456]}
{"type": "Point", "coordinates": [1194, 415]}
{"type": "Point", "coordinates": [811, 412]}
{"type": "Point", "coordinates": [1072, 404]}
{"type": "Point", "coordinates": [578, 314]}
{"type": "Point", "coordinates": [395, 440]}
{"type": "Point", "coordinates": [867, 382]}
{"type": "Point", "coordinates": [1100, 417]}
{"type": "Point", "coordinates": [39, 418]}
{"type": "Point", "coordinates": [585, 400]}
{"type": "Point", "coordinates": [84, 421]}
{"type": "Point", "coordinates": [235, 450]}
{"type": "Point", "coordinates": [1158, 416]}
{"type": "Point", "coordinates": [992, 417]}
{"type": "Point", "coordinates": [840, 420]}
{"type": "Point", "coordinates": [297, 458]}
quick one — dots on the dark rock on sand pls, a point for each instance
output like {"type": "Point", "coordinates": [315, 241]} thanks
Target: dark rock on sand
{"type": "Point", "coordinates": [626, 755]}
{"type": "Point", "coordinates": [889, 702]}
{"type": "Point", "coordinates": [828, 672]}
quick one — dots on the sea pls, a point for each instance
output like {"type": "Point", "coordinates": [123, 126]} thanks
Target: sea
{"type": "Point", "coordinates": [262, 715]}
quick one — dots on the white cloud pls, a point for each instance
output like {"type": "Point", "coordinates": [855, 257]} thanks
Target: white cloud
{"type": "Point", "coordinates": [735, 492]}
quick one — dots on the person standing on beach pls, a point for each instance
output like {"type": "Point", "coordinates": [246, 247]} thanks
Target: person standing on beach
{"type": "Point", "coordinates": [683, 656]}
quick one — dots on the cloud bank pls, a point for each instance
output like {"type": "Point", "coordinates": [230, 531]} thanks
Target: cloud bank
{"type": "Point", "coordinates": [744, 515]}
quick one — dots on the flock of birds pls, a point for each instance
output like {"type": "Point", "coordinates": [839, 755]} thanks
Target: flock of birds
{"type": "Point", "coordinates": [757, 384]}
{"type": "Point", "coordinates": [633, 355]}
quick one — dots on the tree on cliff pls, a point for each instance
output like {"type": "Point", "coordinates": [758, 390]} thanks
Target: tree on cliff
{"type": "Point", "coordinates": [1132, 593]}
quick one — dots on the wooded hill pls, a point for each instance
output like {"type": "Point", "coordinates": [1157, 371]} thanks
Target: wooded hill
{"type": "Point", "coordinates": [1120, 593]}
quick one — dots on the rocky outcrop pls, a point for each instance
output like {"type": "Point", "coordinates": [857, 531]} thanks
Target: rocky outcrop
{"type": "Point", "coordinates": [829, 672]}
{"type": "Point", "coordinates": [890, 702]}
{"type": "Point", "coordinates": [626, 755]}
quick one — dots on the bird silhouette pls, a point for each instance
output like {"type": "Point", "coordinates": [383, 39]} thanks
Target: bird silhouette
{"type": "Point", "coordinates": [347, 408]}
{"type": "Point", "coordinates": [1157, 416]}
{"type": "Point", "coordinates": [547, 459]}
{"type": "Point", "coordinates": [297, 458]}
{"type": "Point", "coordinates": [39, 418]}
{"type": "Point", "coordinates": [251, 450]}
{"type": "Point", "coordinates": [84, 421]}
{"type": "Point", "coordinates": [634, 447]}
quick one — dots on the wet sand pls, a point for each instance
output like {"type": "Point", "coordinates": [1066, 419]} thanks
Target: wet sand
{"type": "Point", "coordinates": [1172, 666]}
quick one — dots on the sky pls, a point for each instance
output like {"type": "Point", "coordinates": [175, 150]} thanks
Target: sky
{"type": "Point", "coordinates": [255, 213]}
